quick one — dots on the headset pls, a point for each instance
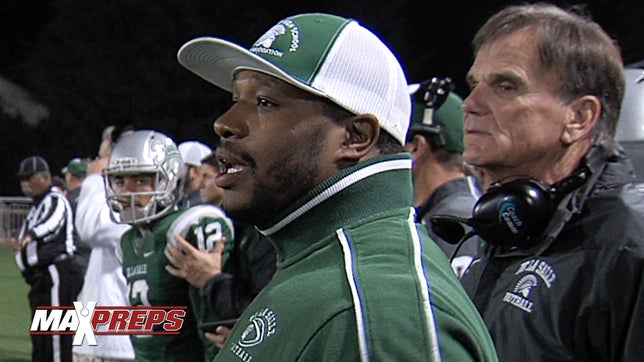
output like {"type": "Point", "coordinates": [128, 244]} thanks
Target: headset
{"type": "Point", "coordinates": [514, 213]}
{"type": "Point", "coordinates": [431, 94]}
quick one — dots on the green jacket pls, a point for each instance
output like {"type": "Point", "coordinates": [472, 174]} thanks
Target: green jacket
{"type": "Point", "coordinates": [358, 279]}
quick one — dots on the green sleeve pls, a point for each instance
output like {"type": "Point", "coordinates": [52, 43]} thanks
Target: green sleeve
{"type": "Point", "coordinates": [204, 234]}
{"type": "Point", "coordinates": [335, 341]}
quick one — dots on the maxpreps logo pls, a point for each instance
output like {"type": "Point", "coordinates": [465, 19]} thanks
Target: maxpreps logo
{"type": "Point", "coordinates": [85, 321]}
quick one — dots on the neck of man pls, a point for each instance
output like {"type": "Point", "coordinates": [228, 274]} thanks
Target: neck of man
{"type": "Point", "coordinates": [546, 169]}
{"type": "Point", "coordinates": [145, 228]}
{"type": "Point", "coordinates": [74, 184]}
{"type": "Point", "coordinates": [431, 177]}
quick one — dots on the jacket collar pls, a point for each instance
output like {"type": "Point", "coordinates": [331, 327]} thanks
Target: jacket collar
{"type": "Point", "coordinates": [443, 192]}
{"type": "Point", "coordinates": [370, 187]}
{"type": "Point", "coordinates": [608, 172]}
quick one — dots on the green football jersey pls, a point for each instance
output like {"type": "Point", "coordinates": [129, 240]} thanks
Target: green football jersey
{"type": "Point", "coordinates": [149, 284]}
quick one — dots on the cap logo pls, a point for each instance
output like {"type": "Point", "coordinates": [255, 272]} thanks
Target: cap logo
{"type": "Point", "coordinates": [266, 41]}
{"type": "Point", "coordinates": [270, 36]}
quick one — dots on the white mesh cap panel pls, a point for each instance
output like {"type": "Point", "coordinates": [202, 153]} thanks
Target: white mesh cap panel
{"type": "Point", "coordinates": [362, 75]}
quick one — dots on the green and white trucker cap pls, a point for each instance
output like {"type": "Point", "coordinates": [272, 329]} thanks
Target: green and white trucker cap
{"type": "Point", "coordinates": [330, 56]}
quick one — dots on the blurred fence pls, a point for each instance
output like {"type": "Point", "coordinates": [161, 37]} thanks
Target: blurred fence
{"type": "Point", "coordinates": [13, 211]}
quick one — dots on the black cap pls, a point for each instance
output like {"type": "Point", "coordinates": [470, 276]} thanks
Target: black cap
{"type": "Point", "coordinates": [32, 165]}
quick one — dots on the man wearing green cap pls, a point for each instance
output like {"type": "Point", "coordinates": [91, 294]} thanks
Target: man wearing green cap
{"type": "Point", "coordinates": [312, 154]}
{"type": "Point", "coordinates": [441, 187]}
{"type": "Point", "coordinates": [75, 173]}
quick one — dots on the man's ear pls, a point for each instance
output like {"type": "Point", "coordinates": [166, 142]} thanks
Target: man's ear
{"type": "Point", "coordinates": [418, 146]}
{"type": "Point", "coordinates": [362, 133]}
{"type": "Point", "coordinates": [583, 116]}
{"type": "Point", "coordinates": [192, 172]}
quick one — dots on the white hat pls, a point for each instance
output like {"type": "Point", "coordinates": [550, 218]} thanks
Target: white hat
{"type": "Point", "coordinates": [193, 152]}
{"type": "Point", "coordinates": [323, 54]}
{"type": "Point", "coordinates": [630, 126]}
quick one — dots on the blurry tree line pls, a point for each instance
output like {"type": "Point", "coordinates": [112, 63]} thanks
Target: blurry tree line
{"type": "Point", "coordinates": [95, 63]}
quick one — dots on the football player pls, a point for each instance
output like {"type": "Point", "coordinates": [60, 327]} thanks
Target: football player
{"type": "Point", "coordinates": [144, 182]}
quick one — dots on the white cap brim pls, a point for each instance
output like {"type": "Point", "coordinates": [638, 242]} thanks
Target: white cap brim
{"type": "Point", "coordinates": [217, 60]}
{"type": "Point", "coordinates": [412, 88]}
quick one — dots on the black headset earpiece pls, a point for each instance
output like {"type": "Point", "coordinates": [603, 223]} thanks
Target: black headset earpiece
{"type": "Point", "coordinates": [512, 212]}
{"type": "Point", "coordinates": [517, 212]}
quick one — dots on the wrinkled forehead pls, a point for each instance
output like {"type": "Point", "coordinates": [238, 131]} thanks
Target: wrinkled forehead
{"type": "Point", "coordinates": [269, 81]}
{"type": "Point", "coordinates": [515, 52]}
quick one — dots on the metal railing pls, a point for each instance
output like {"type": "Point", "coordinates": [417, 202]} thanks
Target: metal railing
{"type": "Point", "coordinates": [13, 211]}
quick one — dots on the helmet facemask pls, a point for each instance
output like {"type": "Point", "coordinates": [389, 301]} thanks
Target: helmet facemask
{"type": "Point", "coordinates": [145, 153]}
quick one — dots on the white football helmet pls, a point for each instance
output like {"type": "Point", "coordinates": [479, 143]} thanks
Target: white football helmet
{"type": "Point", "coordinates": [144, 152]}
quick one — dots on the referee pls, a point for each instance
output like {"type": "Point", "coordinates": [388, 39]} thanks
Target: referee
{"type": "Point", "coordinates": [45, 254]}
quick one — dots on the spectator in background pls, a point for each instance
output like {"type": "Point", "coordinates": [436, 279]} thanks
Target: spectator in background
{"type": "Point", "coordinates": [45, 254]}
{"type": "Point", "coordinates": [312, 154]}
{"type": "Point", "coordinates": [435, 141]}
{"type": "Point", "coordinates": [192, 153]}
{"type": "Point", "coordinates": [561, 276]}
{"type": "Point", "coordinates": [74, 174]}
{"type": "Point", "coordinates": [229, 286]}
{"type": "Point", "coordinates": [104, 280]}
{"type": "Point", "coordinates": [209, 192]}
{"type": "Point", "coordinates": [59, 183]}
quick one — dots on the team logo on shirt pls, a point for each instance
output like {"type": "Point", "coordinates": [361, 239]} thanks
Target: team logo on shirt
{"type": "Point", "coordinates": [534, 273]}
{"type": "Point", "coordinates": [261, 326]}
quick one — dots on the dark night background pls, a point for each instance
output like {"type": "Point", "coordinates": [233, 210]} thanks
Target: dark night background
{"type": "Point", "coordinates": [68, 68]}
